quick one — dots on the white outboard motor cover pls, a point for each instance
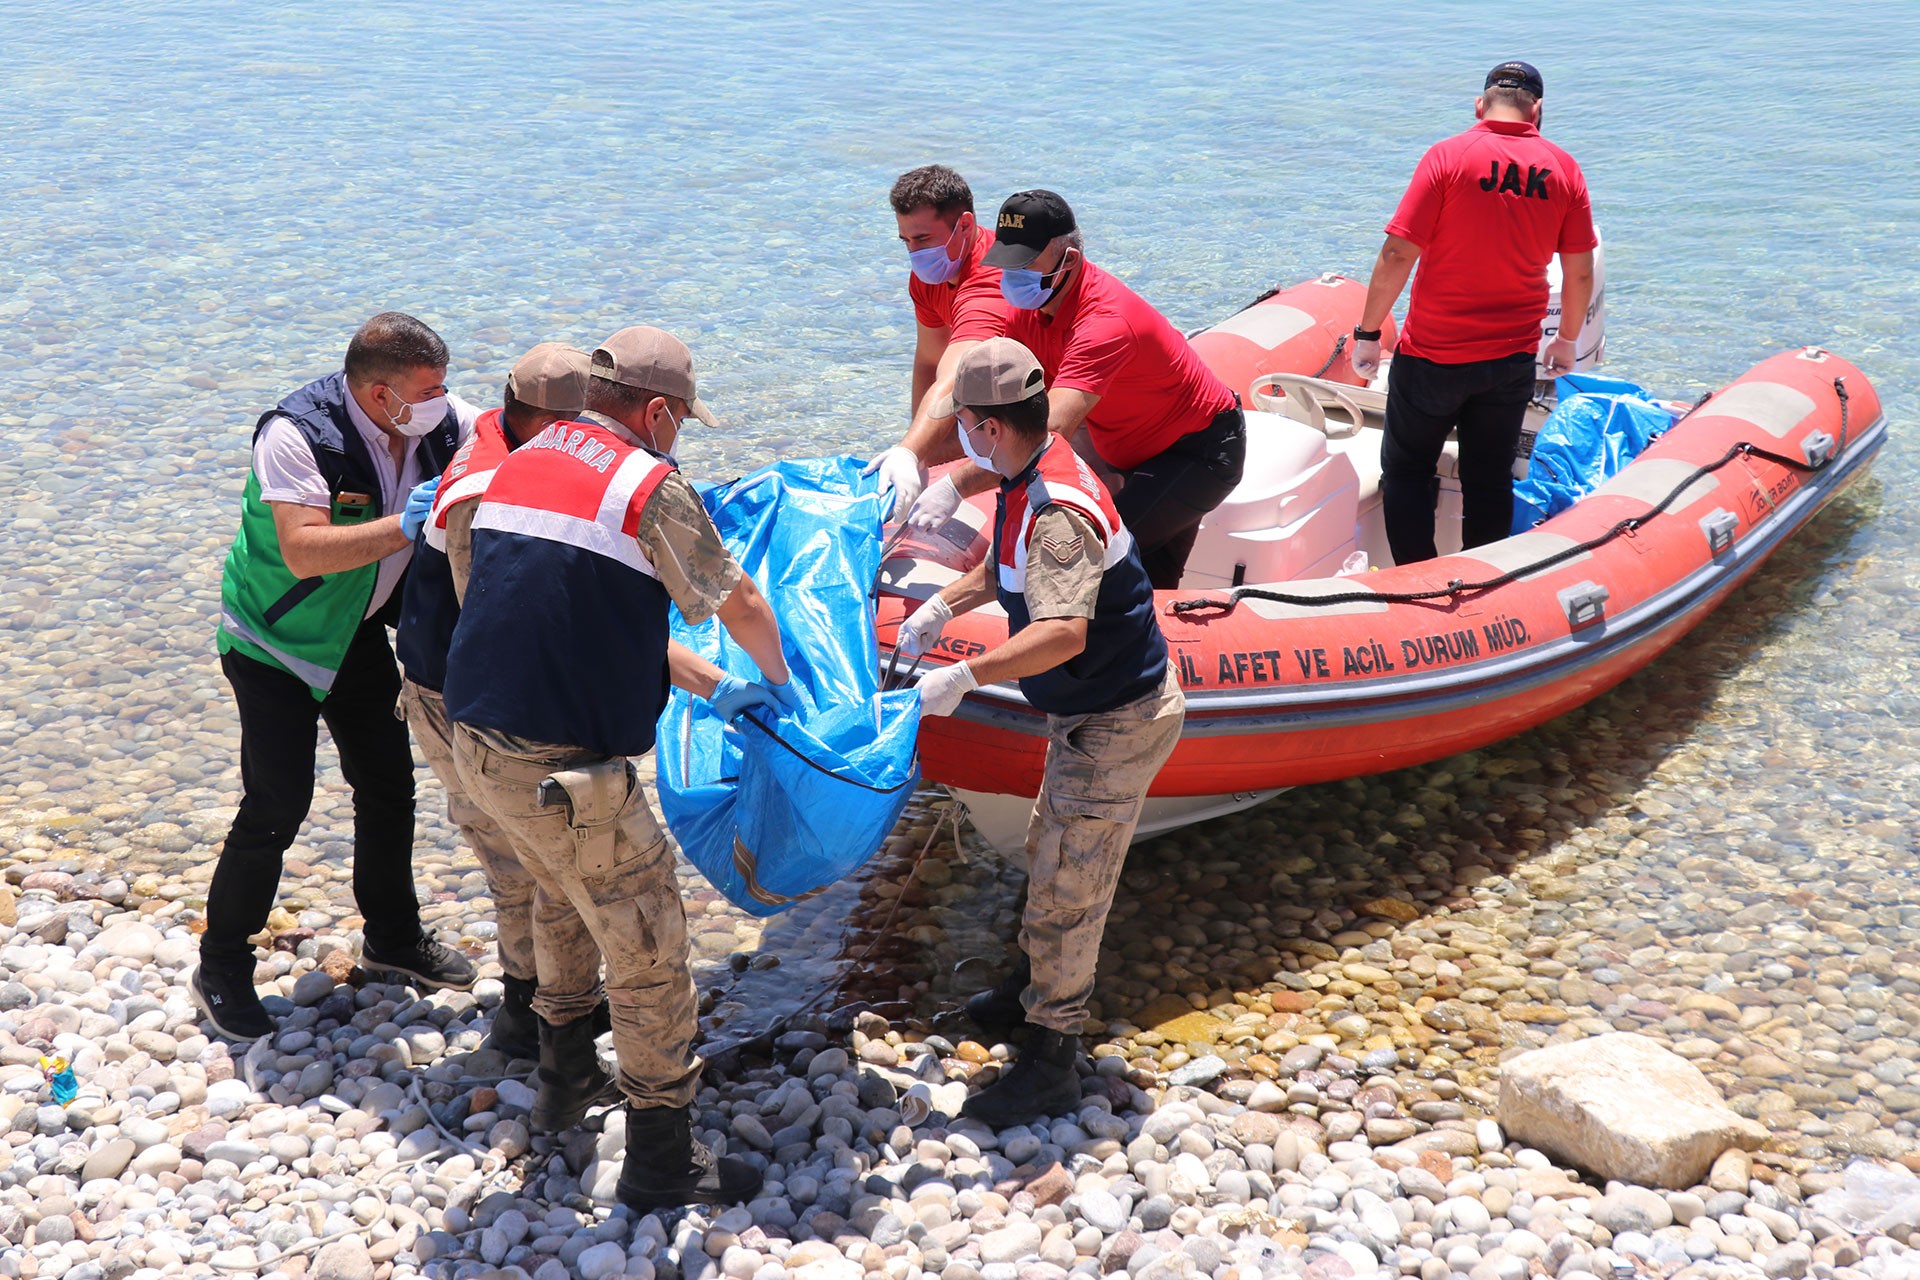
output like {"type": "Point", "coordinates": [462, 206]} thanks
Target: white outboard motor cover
{"type": "Point", "coordinates": [1591, 348]}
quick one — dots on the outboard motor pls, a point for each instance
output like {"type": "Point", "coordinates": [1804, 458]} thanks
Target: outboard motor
{"type": "Point", "coordinates": [1592, 346]}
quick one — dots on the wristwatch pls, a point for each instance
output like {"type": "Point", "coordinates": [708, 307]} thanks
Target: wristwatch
{"type": "Point", "coordinates": [1365, 335]}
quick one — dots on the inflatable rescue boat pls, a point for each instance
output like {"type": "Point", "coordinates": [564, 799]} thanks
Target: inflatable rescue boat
{"type": "Point", "coordinates": [1307, 656]}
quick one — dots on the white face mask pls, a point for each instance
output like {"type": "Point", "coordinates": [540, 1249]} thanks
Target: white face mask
{"type": "Point", "coordinates": [668, 454]}
{"type": "Point", "coordinates": [425, 417]}
{"type": "Point", "coordinates": [966, 447]}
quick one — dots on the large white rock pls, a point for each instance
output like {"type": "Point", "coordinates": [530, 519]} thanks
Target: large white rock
{"type": "Point", "coordinates": [1622, 1106]}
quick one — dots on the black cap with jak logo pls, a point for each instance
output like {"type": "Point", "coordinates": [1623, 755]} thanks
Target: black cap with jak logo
{"type": "Point", "coordinates": [1517, 75]}
{"type": "Point", "coordinates": [1029, 221]}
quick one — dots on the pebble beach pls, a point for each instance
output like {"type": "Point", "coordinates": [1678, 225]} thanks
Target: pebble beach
{"type": "Point", "coordinates": [1303, 1010]}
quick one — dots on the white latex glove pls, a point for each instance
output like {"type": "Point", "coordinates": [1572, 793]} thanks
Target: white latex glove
{"type": "Point", "coordinates": [942, 688]}
{"type": "Point", "coordinates": [922, 627]}
{"type": "Point", "coordinates": [901, 473]}
{"type": "Point", "coordinates": [1366, 357]}
{"type": "Point", "coordinates": [1560, 356]}
{"type": "Point", "coordinates": [935, 507]}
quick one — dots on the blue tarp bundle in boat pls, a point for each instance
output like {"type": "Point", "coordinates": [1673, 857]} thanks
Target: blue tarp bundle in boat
{"type": "Point", "coordinates": [1596, 429]}
{"type": "Point", "coordinates": [774, 809]}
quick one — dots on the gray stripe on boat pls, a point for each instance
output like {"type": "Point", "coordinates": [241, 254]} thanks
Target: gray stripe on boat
{"type": "Point", "coordinates": [1267, 325]}
{"type": "Point", "coordinates": [1652, 479]}
{"type": "Point", "coordinates": [1524, 549]}
{"type": "Point", "coordinates": [1773, 407]}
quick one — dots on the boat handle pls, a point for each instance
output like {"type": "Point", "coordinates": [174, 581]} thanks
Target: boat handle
{"type": "Point", "coordinates": [1819, 448]}
{"type": "Point", "coordinates": [1719, 525]}
{"type": "Point", "coordinates": [1584, 603]}
{"type": "Point", "coordinates": [1282, 393]}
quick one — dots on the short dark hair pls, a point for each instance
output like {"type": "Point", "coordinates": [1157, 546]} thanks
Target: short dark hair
{"type": "Point", "coordinates": [522, 418]}
{"type": "Point", "coordinates": [931, 184]}
{"type": "Point", "coordinates": [1027, 418]}
{"type": "Point", "coordinates": [1506, 95]}
{"type": "Point", "coordinates": [604, 395]}
{"type": "Point", "coordinates": [390, 344]}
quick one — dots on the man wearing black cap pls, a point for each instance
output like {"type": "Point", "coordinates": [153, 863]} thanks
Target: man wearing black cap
{"type": "Point", "coordinates": [1485, 213]}
{"type": "Point", "coordinates": [1153, 412]}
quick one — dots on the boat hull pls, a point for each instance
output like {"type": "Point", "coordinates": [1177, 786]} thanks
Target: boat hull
{"type": "Point", "coordinates": [1292, 692]}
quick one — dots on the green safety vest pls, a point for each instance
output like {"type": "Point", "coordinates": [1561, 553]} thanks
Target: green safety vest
{"type": "Point", "coordinates": [305, 625]}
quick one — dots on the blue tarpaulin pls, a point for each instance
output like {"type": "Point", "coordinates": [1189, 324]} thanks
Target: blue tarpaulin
{"type": "Point", "coordinates": [1596, 429]}
{"type": "Point", "coordinates": [774, 809]}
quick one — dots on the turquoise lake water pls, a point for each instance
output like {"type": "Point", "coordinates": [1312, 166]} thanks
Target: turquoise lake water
{"type": "Point", "coordinates": [204, 200]}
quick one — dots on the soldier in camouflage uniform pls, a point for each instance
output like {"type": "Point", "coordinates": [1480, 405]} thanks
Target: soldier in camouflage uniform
{"type": "Point", "coordinates": [557, 675]}
{"type": "Point", "coordinates": [1086, 648]}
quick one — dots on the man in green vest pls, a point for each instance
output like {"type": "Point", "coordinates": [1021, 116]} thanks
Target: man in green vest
{"type": "Point", "coordinates": [344, 472]}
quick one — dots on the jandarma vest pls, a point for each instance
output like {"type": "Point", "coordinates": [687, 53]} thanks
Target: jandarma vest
{"type": "Point", "coordinates": [563, 637]}
{"type": "Point", "coordinates": [1126, 656]}
{"type": "Point", "coordinates": [429, 606]}
{"type": "Point", "coordinates": [304, 625]}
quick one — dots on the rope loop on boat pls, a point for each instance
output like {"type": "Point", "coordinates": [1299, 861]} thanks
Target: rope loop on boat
{"type": "Point", "coordinates": [1459, 587]}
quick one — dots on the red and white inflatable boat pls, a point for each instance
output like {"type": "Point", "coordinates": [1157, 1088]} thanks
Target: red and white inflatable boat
{"type": "Point", "coordinates": [1294, 674]}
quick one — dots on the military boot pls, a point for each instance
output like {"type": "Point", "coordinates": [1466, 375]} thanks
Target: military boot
{"type": "Point", "coordinates": [570, 1079]}
{"type": "Point", "coordinates": [516, 1029]}
{"type": "Point", "coordinates": [1044, 1081]}
{"type": "Point", "coordinates": [999, 1012]}
{"type": "Point", "coordinates": [667, 1166]}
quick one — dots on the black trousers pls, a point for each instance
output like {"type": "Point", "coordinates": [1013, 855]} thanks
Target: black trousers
{"type": "Point", "coordinates": [1166, 497]}
{"type": "Point", "coordinates": [279, 732]}
{"type": "Point", "coordinates": [1487, 400]}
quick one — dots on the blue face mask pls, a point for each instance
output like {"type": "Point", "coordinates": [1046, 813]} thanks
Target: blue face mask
{"type": "Point", "coordinates": [931, 265]}
{"type": "Point", "coordinates": [1029, 290]}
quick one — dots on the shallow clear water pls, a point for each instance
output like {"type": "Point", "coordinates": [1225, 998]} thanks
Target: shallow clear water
{"type": "Point", "coordinates": [205, 200]}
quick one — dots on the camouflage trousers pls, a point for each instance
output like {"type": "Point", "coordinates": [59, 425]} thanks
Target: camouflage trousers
{"type": "Point", "coordinates": [1098, 770]}
{"type": "Point", "coordinates": [629, 908]}
{"type": "Point", "coordinates": [508, 883]}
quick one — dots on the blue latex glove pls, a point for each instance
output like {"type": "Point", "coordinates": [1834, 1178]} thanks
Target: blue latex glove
{"type": "Point", "coordinates": [419, 507]}
{"type": "Point", "coordinates": [785, 694]}
{"type": "Point", "coordinates": [734, 695]}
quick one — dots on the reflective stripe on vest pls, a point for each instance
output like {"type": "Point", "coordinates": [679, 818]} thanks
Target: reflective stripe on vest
{"type": "Point", "coordinates": [429, 605]}
{"type": "Point", "coordinates": [1125, 656]}
{"type": "Point", "coordinates": [1060, 476]}
{"type": "Point", "coordinates": [560, 585]}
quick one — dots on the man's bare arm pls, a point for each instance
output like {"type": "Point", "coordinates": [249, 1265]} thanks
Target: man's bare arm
{"type": "Point", "coordinates": [312, 545]}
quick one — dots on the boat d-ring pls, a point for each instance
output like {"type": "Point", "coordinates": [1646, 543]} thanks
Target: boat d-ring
{"type": "Point", "coordinates": [1307, 400]}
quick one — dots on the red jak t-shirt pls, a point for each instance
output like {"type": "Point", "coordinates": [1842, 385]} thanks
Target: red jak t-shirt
{"type": "Point", "coordinates": [1106, 340]}
{"type": "Point", "coordinates": [970, 305]}
{"type": "Point", "coordinates": [1489, 208]}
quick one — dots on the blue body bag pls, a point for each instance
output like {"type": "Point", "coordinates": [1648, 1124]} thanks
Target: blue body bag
{"type": "Point", "coordinates": [773, 809]}
{"type": "Point", "coordinates": [1597, 428]}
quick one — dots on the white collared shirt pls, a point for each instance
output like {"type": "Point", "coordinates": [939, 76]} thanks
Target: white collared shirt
{"type": "Point", "coordinates": [288, 473]}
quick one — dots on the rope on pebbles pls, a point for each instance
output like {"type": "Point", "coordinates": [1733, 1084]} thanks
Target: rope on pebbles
{"type": "Point", "coordinates": [452, 1144]}
{"type": "Point", "coordinates": [456, 1144]}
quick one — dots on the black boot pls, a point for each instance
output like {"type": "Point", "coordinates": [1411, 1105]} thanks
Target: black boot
{"type": "Point", "coordinates": [516, 1029]}
{"type": "Point", "coordinates": [570, 1079]}
{"type": "Point", "coordinates": [1043, 1082]}
{"type": "Point", "coordinates": [999, 1012]}
{"type": "Point", "coordinates": [667, 1166]}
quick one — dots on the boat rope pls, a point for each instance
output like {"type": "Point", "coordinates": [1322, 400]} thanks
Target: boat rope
{"type": "Point", "coordinates": [1459, 587]}
{"type": "Point", "coordinates": [945, 811]}
{"type": "Point", "coordinates": [1340, 344]}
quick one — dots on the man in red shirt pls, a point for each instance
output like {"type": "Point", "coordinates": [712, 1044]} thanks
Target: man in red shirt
{"type": "Point", "coordinates": [1151, 410]}
{"type": "Point", "coordinates": [1485, 213]}
{"type": "Point", "coordinates": [956, 306]}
